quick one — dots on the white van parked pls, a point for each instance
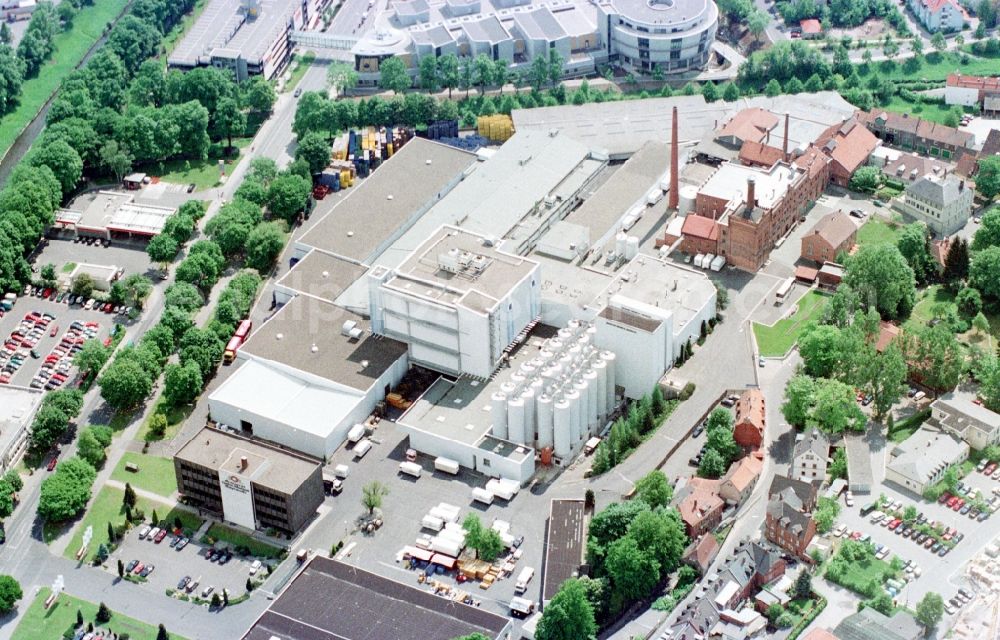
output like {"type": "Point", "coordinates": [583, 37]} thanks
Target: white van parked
{"type": "Point", "coordinates": [362, 447]}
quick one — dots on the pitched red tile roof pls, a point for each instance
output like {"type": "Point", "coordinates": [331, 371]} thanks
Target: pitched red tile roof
{"type": "Point", "coordinates": [983, 83]}
{"type": "Point", "coordinates": [925, 129]}
{"type": "Point", "coordinates": [813, 161]}
{"type": "Point", "coordinates": [806, 274]}
{"type": "Point", "coordinates": [750, 124]}
{"type": "Point", "coordinates": [700, 227]}
{"type": "Point", "coordinates": [835, 228]}
{"type": "Point", "coordinates": [940, 249]}
{"type": "Point", "coordinates": [811, 26]}
{"type": "Point", "coordinates": [745, 471]}
{"type": "Point", "coordinates": [887, 332]}
{"type": "Point", "coordinates": [758, 153]}
{"type": "Point", "coordinates": [750, 409]}
{"type": "Point", "coordinates": [849, 144]}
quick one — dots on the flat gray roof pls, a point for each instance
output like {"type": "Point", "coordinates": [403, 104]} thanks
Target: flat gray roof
{"type": "Point", "coordinates": [436, 36]}
{"type": "Point", "coordinates": [267, 465]}
{"type": "Point", "coordinates": [322, 275]}
{"type": "Point", "coordinates": [564, 549]}
{"type": "Point", "coordinates": [305, 334]}
{"type": "Point", "coordinates": [331, 600]}
{"type": "Point", "coordinates": [487, 29]}
{"type": "Point", "coordinates": [422, 274]}
{"type": "Point", "coordinates": [662, 13]}
{"type": "Point", "coordinates": [384, 204]}
{"type": "Point", "coordinates": [622, 128]}
{"type": "Point", "coordinates": [222, 25]}
{"type": "Point", "coordinates": [17, 408]}
{"type": "Point", "coordinates": [630, 183]}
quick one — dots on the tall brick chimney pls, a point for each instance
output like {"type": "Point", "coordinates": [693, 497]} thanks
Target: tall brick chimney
{"type": "Point", "coordinates": [751, 193]}
{"type": "Point", "coordinates": [784, 147]}
{"type": "Point", "coordinates": [674, 169]}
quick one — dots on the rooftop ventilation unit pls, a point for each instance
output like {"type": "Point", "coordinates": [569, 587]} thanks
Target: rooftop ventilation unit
{"type": "Point", "coordinates": [348, 327]}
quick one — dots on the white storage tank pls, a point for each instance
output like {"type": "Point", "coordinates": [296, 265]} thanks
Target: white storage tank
{"type": "Point", "coordinates": [632, 247]}
{"type": "Point", "coordinates": [601, 369]}
{"type": "Point", "coordinates": [687, 196]}
{"type": "Point", "coordinates": [611, 359]}
{"type": "Point", "coordinates": [572, 396]}
{"type": "Point", "coordinates": [580, 386]}
{"type": "Point", "coordinates": [590, 377]}
{"type": "Point", "coordinates": [499, 411]}
{"type": "Point", "coordinates": [515, 420]}
{"type": "Point", "coordinates": [621, 243]}
{"type": "Point", "coordinates": [562, 431]}
{"type": "Point", "coordinates": [528, 398]}
{"type": "Point", "coordinates": [544, 410]}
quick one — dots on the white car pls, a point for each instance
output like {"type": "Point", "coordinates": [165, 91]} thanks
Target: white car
{"type": "Point", "coordinates": [849, 499]}
{"type": "Point", "coordinates": [255, 567]}
{"type": "Point", "coordinates": [840, 530]}
{"type": "Point", "coordinates": [152, 533]}
{"type": "Point", "coordinates": [144, 531]}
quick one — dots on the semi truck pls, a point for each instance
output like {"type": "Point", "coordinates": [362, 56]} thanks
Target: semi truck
{"type": "Point", "coordinates": [235, 342]}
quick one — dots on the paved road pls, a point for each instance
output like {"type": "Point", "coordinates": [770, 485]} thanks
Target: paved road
{"type": "Point", "coordinates": [278, 141]}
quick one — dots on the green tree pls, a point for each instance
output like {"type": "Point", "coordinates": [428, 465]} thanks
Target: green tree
{"type": "Point", "coordinates": [314, 148]}
{"type": "Point", "coordinates": [182, 383]}
{"type": "Point", "coordinates": [712, 465]}
{"type": "Point", "coordinates": [393, 75]}
{"type": "Point", "coordinates": [230, 119]}
{"type": "Point", "coordinates": [137, 289]}
{"type": "Point", "coordinates": [798, 400]}
{"type": "Point", "coordinates": [287, 196]}
{"type": "Point", "coordinates": [633, 570]}
{"type": "Point", "coordinates": [129, 498]}
{"type": "Point", "coordinates": [63, 160]}
{"type": "Point", "coordinates": [914, 244]}
{"type": "Point", "coordinates": [720, 439]}
{"type": "Point", "coordinates": [709, 91]}
{"type": "Point", "coordinates": [827, 510]}
{"type": "Point", "coordinates": [935, 357]}
{"type": "Point", "coordinates": [884, 376]}
{"type": "Point", "coordinates": [938, 42]}
{"type": "Point", "coordinates": [981, 324]}
{"type": "Point", "coordinates": [883, 279]}
{"type": "Point", "coordinates": [866, 179]}
{"type": "Point", "coordinates": [124, 385]}
{"type": "Point", "coordinates": [731, 92]}
{"type": "Point", "coordinates": [660, 533]}
{"type": "Point", "coordinates": [162, 249]}
{"type": "Point", "coordinates": [341, 77]}
{"type": "Point", "coordinates": [429, 74]}
{"type": "Point", "coordinates": [555, 66]}
{"type": "Point", "coordinates": [654, 489]}
{"type": "Point", "coordinates": [91, 356]}
{"type": "Point", "coordinates": [929, 610]}
{"type": "Point", "coordinates": [448, 68]}
{"type": "Point", "coordinates": [773, 88]}
{"type": "Point", "coordinates": [10, 593]}
{"type": "Point", "coordinates": [835, 408]}
{"type": "Point", "coordinates": [161, 632]}
{"type": "Point", "coordinates": [372, 495]}
{"type": "Point", "coordinates": [65, 493]}
{"type": "Point", "coordinates": [984, 271]}
{"type": "Point", "coordinates": [264, 245]}
{"type": "Point", "coordinates": [90, 449]}
{"type": "Point", "coordinates": [803, 585]}
{"type": "Point", "coordinates": [103, 614]}
{"type": "Point", "coordinates": [569, 616]}
{"type": "Point", "coordinates": [988, 179]}
{"type": "Point", "coordinates": [969, 302]}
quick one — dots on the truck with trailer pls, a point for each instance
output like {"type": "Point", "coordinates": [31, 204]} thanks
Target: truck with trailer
{"type": "Point", "coordinates": [362, 447]}
{"type": "Point", "coordinates": [521, 607]}
{"type": "Point", "coordinates": [236, 341]}
{"type": "Point", "coordinates": [502, 489]}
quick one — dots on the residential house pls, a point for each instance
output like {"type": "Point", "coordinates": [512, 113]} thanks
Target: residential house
{"type": "Point", "coordinates": [739, 624]}
{"type": "Point", "coordinates": [700, 554]}
{"type": "Point", "coordinates": [923, 136]}
{"type": "Point", "coordinates": [832, 234]}
{"type": "Point", "coordinates": [700, 506]}
{"type": "Point", "coordinates": [869, 624]}
{"type": "Point", "coordinates": [751, 567]}
{"type": "Point", "coordinates": [809, 457]}
{"type": "Point", "coordinates": [848, 145]}
{"type": "Point", "coordinates": [970, 91]}
{"type": "Point", "coordinates": [940, 250]}
{"type": "Point", "coordinates": [701, 235]}
{"type": "Point", "coordinates": [944, 204]}
{"type": "Point", "coordinates": [751, 419]}
{"type": "Point", "coordinates": [887, 332]}
{"type": "Point", "coordinates": [787, 526]}
{"type": "Point", "coordinates": [802, 495]}
{"type": "Point", "coordinates": [811, 28]}
{"type": "Point", "coordinates": [921, 460]}
{"type": "Point", "coordinates": [737, 485]}
{"type": "Point", "coordinates": [906, 166]}
{"type": "Point", "coordinates": [939, 15]}
{"type": "Point", "coordinates": [957, 414]}
{"type": "Point", "coordinates": [775, 593]}
{"type": "Point", "coordinates": [830, 275]}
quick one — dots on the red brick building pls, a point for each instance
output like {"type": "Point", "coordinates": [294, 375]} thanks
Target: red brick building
{"type": "Point", "coordinates": [790, 529]}
{"type": "Point", "coordinates": [833, 233]}
{"type": "Point", "coordinates": [700, 506]}
{"type": "Point", "coordinates": [848, 145]}
{"type": "Point", "coordinates": [751, 418]}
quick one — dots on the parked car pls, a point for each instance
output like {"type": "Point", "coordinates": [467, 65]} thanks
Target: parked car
{"type": "Point", "coordinates": [144, 531]}
{"type": "Point", "coordinates": [183, 542]}
{"type": "Point", "coordinates": [183, 582]}
{"type": "Point", "coordinates": [256, 565]}
{"type": "Point", "coordinates": [131, 565]}
{"type": "Point", "coordinates": [207, 591]}
{"type": "Point", "coordinates": [138, 568]}
{"type": "Point", "coordinates": [148, 569]}
{"type": "Point", "coordinates": [160, 536]}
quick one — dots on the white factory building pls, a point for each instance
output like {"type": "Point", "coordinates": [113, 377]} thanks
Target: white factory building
{"type": "Point", "coordinates": [458, 302]}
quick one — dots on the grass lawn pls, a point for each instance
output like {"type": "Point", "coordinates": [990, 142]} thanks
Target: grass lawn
{"type": "Point", "coordinates": [908, 426]}
{"type": "Point", "coordinates": [878, 232]}
{"type": "Point", "coordinates": [107, 507]}
{"type": "Point", "coordinates": [203, 173]}
{"type": "Point", "coordinates": [859, 574]}
{"type": "Point", "coordinates": [70, 47]}
{"type": "Point", "coordinates": [68, 267]}
{"type": "Point", "coordinates": [935, 68]}
{"type": "Point", "coordinates": [40, 623]}
{"type": "Point", "coordinates": [175, 419]}
{"type": "Point", "coordinates": [776, 340]}
{"type": "Point", "coordinates": [155, 474]}
{"type": "Point", "coordinates": [926, 299]}
{"type": "Point", "coordinates": [218, 532]}
{"type": "Point", "coordinates": [300, 64]}
{"type": "Point", "coordinates": [935, 112]}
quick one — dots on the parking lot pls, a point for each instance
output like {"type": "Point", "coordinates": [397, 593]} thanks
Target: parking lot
{"type": "Point", "coordinates": [130, 256]}
{"type": "Point", "coordinates": [50, 327]}
{"type": "Point", "coordinates": [172, 564]}
{"type": "Point", "coordinates": [939, 574]}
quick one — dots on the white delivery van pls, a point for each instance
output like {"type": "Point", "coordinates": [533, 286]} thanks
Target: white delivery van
{"type": "Point", "coordinates": [362, 447]}
{"type": "Point", "coordinates": [447, 465]}
{"type": "Point", "coordinates": [523, 579]}
{"type": "Point", "coordinates": [432, 523]}
{"type": "Point", "coordinates": [482, 495]}
{"type": "Point", "coordinates": [356, 433]}
{"type": "Point", "coordinates": [341, 471]}
{"type": "Point", "coordinates": [410, 469]}
{"type": "Point", "coordinates": [521, 607]}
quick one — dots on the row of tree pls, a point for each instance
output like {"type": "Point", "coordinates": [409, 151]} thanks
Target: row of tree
{"type": "Point", "coordinates": [627, 432]}
{"type": "Point", "coordinates": [720, 447]}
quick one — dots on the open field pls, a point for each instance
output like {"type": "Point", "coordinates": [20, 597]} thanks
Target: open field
{"type": "Point", "coordinates": [41, 624]}
{"type": "Point", "coordinates": [776, 340]}
{"type": "Point", "coordinates": [155, 474]}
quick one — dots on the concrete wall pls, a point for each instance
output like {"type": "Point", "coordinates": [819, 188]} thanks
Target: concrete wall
{"type": "Point", "coordinates": [470, 456]}
{"type": "Point", "coordinates": [964, 96]}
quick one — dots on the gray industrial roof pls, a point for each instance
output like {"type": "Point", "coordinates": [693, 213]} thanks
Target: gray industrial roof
{"type": "Point", "coordinates": [411, 7]}
{"type": "Point", "coordinates": [382, 206]}
{"type": "Point", "coordinates": [305, 334]}
{"type": "Point", "coordinates": [422, 274]}
{"type": "Point", "coordinates": [920, 456]}
{"type": "Point", "coordinates": [222, 25]}
{"type": "Point", "coordinates": [567, 539]}
{"type": "Point", "coordinates": [269, 466]}
{"type": "Point", "coordinates": [663, 13]}
{"type": "Point", "coordinates": [488, 29]}
{"type": "Point", "coordinates": [869, 624]}
{"type": "Point", "coordinates": [630, 184]}
{"type": "Point", "coordinates": [436, 36]}
{"type": "Point", "coordinates": [331, 600]}
{"type": "Point", "coordinates": [539, 24]}
{"type": "Point", "coordinates": [322, 275]}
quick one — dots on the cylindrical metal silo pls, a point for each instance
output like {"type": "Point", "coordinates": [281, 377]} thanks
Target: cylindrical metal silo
{"type": "Point", "coordinates": [499, 411]}
{"type": "Point", "coordinates": [601, 368]}
{"type": "Point", "coordinates": [590, 377]}
{"type": "Point", "coordinates": [631, 247]}
{"type": "Point", "coordinates": [508, 387]}
{"type": "Point", "coordinates": [562, 428]}
{"type": "Point", "coordinates": [517, 378]}
{"type": "Point", "coordinates": [572, 396]}
{"type": "Point", "coordinates": [543, 408]}
{"type": "Point", "coordinates": [621, 241]}
{"type": "Point", "coordinates": [515, 420]}
{"type": "Point", "coordinates": [580, 386]}
{"type": "Point", "coordinates": [528, 397]}
{"type": "Point", "coordinates": [565, 333]}
{"type": "Point", "coordinates": [610, 358]}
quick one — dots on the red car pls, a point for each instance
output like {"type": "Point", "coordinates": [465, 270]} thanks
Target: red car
{"type": "Point", "coordinates": [952, 501]}
{"type": "Point", "coordinates": [945, 497]}
{"type": "Point", "coordinates": [160, 536]}
{"type": "Point", "coordinates": [52, 463]}
{"type": "Point", "coordinates": [54, 331]}
{"type": "Point", "coordinates": [139, 567]}
{"type": "Point", "coordinates": [856, 535]}
{"type": "Point", "coordinates": [958, 505]}
{"type": "Point", "coordinates": [46, 293]}
{"type": "Point", "coordinates": [895, 523]}
{"type": "Point", "coordinates": [990, 468]}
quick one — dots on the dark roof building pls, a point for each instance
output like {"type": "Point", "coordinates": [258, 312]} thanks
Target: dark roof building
{"type": "Point", "coordinates": [799, 494]}
{"type": "Point", "coordinates": [566, 544]}
{"type": "Point", "coordinates": [869, 624]}
{"type": "Point", "coordinates": [331, 600]}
